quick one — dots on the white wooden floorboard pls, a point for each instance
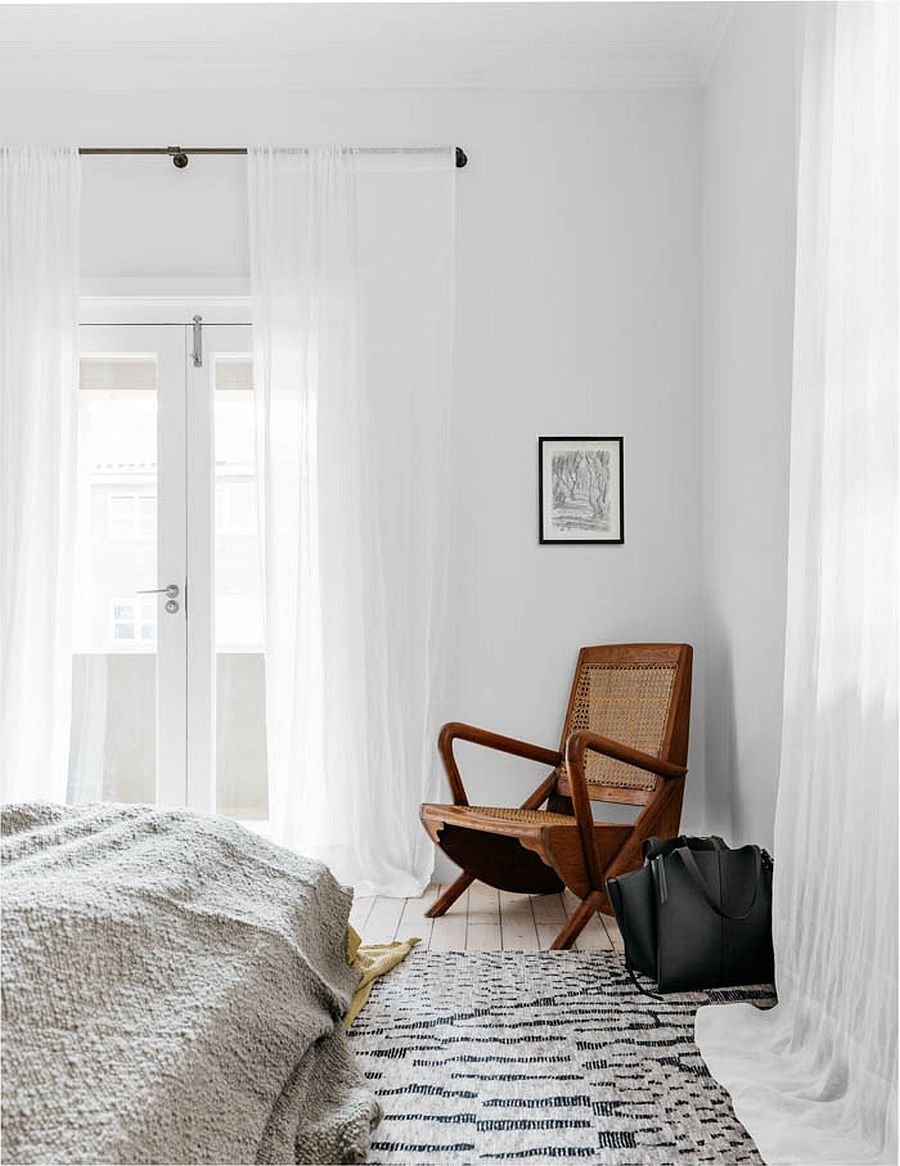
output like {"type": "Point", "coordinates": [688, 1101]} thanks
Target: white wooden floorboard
{"type": "Point", "coordinates": [549, 916]}
{"type": "Point", "coordinates": [448, 934]}
{"type": "Point", "coordinates": [414, 922]}
{"type": "Point", "coordinates": [449, 930]}
{"type": "Point", "coordinates": [517, 929]}
{"type": "Point", "coordinates": [484, 903]}
{"type": "Point", "coordinates": [482, 919]}
{"type": "Point", "coordinates": [360, 912]}
{"type": "Point", "coordinates": [612, 930]}
{"type": "Point", "coordinates": [484, 937]}
{"type": "Point", "coordinates": [381, 926]}
{"type": "Point", "coordinates": [593, 937]}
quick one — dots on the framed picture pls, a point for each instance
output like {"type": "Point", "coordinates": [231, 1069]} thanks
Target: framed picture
{"type": "Point", "coordinates": [581, 493]}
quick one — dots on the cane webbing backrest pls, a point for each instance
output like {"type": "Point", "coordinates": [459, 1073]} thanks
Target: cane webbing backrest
{"type": "Point", "coordinates": [628, 703]}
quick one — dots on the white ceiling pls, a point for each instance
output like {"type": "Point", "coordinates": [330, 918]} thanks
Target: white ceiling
{"type": "Point", "coordinates": [359, 46]}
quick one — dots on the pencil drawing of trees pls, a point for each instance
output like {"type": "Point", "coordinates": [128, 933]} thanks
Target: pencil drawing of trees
{"type": "Point", "coordinates": [581, 490]}
{"type": "Point", "coordinates": [566, 468]}
{"type": "Point", "coordinates": [597, 468]}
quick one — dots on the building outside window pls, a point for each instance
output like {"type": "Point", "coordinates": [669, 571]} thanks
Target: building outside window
{"type": "Point", "coordinates": [134, 621]}
{"type": "Point", "coordinates": [131, 516]}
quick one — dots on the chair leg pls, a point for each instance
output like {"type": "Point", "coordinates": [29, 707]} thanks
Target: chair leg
{"type": "Point", "coordinates": [450, 896]}
{"type": "Point", "coordinates": [576, 923]}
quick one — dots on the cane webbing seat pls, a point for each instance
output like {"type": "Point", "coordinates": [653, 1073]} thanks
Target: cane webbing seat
{"type": "Point", "coordinates": [532, 817]}
{"type": "Point", "coordinates": [624, 740]}
{"type": "Point", "coordinates": [628, 703]}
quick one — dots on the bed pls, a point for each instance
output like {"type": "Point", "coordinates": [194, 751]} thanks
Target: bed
{"type": "Point", "coordinates": [173, 990]}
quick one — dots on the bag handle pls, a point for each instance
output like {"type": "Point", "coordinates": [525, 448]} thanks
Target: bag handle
{"type": "Point", "coordinates": [651, 845]}
{"type": "Point", "coordinates": [640, 987]}
{"type": "Point", "coordinates": [648, 846]}
{"type": "Point", "coordinates": [693, 870]}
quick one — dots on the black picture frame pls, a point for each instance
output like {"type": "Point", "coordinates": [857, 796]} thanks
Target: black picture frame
{"type": "Point", "coordinates": [594, 514]}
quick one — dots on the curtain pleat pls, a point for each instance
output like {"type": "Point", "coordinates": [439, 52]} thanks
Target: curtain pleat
{"type": "Point", "coordinates": [39, 207]}
{"type": "Point", "coordinates": [815, 1078]}
{"type": "Point", "coordinates": [352, 285]}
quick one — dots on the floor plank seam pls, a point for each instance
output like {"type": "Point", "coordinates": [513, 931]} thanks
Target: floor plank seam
{"type": "Point", "coordinates": [482, 919]}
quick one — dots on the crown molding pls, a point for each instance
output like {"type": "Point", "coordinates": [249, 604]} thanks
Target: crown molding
{"type": "Point", "coordinates": [340, 47]}
{"type": "Point", "coordinates": [325, 68]}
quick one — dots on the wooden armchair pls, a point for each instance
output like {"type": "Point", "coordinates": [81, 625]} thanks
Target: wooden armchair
{"type": "Point", "coordinates": [625, 740]}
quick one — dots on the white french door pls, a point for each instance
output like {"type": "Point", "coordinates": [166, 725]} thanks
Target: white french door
{"type": "Point", "coordinates": [168, 689]}
{"type": "Point", "coordinates": [226, 737]}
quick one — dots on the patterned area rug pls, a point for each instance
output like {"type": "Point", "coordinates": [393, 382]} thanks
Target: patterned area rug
{"type": "Point", "coordinates": [508, 1056]}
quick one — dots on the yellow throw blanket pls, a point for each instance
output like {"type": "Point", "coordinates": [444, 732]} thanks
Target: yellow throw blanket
{"type": "Point", "coordinates": [371, 960]}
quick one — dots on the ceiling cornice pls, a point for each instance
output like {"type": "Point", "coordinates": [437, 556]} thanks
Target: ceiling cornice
{"type": "Point", "coordinates": [509, 65]}
{"type": "Point", "coordinates": [358, 47]}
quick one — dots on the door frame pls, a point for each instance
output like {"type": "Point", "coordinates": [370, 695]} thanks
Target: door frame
{"type": "Point", "coordinates": [131, 308]}
{"type": "Point", "coordinates": [186, 733]}
{"type": "Point", "coordinates": [171, 539]}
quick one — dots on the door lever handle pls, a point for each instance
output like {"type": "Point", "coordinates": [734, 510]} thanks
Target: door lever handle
{"type": "Point", "coordinates": [171, 591]}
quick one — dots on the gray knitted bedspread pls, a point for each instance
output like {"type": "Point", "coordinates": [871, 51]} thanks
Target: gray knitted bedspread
{"type": "Point", "coordinates": [173, 987]}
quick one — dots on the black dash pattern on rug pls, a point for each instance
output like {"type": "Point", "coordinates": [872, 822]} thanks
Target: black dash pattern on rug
{"type": "Point", "coordinates": [482, 1057]}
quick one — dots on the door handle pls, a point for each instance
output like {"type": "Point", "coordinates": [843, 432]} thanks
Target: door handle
{"type": "Point", "coordinates": [171, 591]}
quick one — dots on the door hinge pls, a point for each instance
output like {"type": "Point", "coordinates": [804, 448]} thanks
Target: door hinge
{"type": "Point", "coordinates": [198, 342]}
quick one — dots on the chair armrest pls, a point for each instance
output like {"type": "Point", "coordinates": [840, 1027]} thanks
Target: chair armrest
{"type": "Point", "coordinates": [456, 731]}
{"type": "Point", "coordinates": [580, 741]}
{"type": "Point", "coordinates": [577, 744]}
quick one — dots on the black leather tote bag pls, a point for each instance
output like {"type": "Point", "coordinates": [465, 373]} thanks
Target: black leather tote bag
{"type": "Point", "coordinates": [633, 898]}
{"type": "Point", "coordinates": [697, 914]}
{"type": "Point", "coordinates": [713, 918]}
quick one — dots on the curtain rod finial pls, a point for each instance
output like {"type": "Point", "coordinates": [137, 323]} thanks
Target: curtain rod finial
{"type": "Point", "coordinates": [461, 158]}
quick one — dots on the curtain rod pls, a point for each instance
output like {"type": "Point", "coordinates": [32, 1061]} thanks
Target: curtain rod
{"type": "Point", "coordinates": [180, 154]}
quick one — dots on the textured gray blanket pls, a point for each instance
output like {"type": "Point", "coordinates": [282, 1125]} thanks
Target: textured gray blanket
{"type": "Point", "coordinates": [173, 987]}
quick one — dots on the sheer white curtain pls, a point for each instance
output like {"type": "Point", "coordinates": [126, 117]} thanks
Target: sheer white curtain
{"type": "Point", "coordinates": [352, 282]}
{"type": "Point", "coordinates": [814, 1079]}
{"type": "Point", "coordinates": [39, 200]}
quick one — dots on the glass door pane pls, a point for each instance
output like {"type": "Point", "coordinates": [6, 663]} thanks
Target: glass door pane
{"type": "Point", "coordinates": [241, 773]}
{"type": "Point", "coordinates": [127, 745]}
{"type": "Point", "coordinates": [226, 675]}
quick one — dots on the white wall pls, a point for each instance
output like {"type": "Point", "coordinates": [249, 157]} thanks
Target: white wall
{"type": "Point", "coordinates": [748, 145]}
{"type": "Point", "coordinates": [578, 312]}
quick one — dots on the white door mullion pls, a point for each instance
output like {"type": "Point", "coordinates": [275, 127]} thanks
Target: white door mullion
{"type": "Point", "coordinates": [172, 543]}
{"type": "Point", "coordinates": [219, 342]}
{"type": "Point", "coordinates": [201, 654]}
{"type": "Point", "coordinates": [218, 339]}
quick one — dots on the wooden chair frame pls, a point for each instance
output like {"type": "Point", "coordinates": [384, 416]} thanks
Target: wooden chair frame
{"type": "Point", "coordinates": [544, 853]}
